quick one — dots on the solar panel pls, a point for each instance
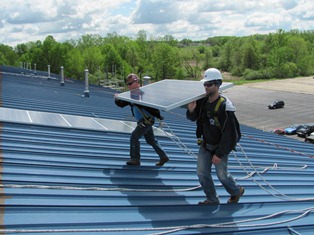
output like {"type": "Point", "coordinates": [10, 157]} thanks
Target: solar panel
{"type": "Point", "coordinates": [71, 121]}
{"type": "Point", "coordinates": [168, 94]}
{"type": "Point", "coordinates": [53, 119]}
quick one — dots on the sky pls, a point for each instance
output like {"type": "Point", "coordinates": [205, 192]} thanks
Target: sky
{"type": "Point", "coordinates": [23, 21]}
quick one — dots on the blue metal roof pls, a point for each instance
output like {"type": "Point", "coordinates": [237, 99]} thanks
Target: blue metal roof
{"type": "Point", "coordinates": [62, 180]}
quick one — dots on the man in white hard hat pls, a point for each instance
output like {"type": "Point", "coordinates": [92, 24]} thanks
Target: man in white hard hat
{"type": "Point", "coordinates": [215, 116]}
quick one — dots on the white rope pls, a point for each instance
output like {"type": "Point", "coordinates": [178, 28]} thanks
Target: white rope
{"type": "Point", "coordinates": [278, 146]}
{"type": "Point", "coordinates": [249, 174]}
{"type": "Point", "coordinates": [236, 224]}
{"type": "Point", "coordinates": [255, 172]}
{"type": "Point", "coordinates": [172, 136]}
{"type": "Point", "coordinates": [175, 228]}
{"type": "Point", "coordinates": [96, 188]}
{"type": "Point", "coordinates": [262, 178]}
{"type": "Point", "coordinates": [171, 229]}
{"type": "Point", "coordinates": [275, 167]}
{"type": "Point", "coordinates": [176, 139]}
{"type": "Point", "coordinates": [265, 169]}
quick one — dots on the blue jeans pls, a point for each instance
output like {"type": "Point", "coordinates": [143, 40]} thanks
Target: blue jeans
{"type": "Point", "coordinates": [148, 133]}
{"type": "Point", "coordinates": [204, 166]}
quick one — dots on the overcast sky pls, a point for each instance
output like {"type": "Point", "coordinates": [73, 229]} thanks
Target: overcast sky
{"type": "Point", "coordinates": [23, 21]}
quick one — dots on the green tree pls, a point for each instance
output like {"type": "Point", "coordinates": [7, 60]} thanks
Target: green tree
{"type": "Point", "coordinates": [278, 51]}
{"type": "Point", "coordinates": [225, 60]}
{"type": "Point", "coordinates": [21, 49]}
{"type": "Point", "coordinates": [170, 40]}
{"type": "Point", "coordinates": [50, 53]}
{"type": "Point", "coordinates": [165, 61]}
{"type": "Point", "coordinates": [144, 52]}
{"type": "Point", "coordinates": [186, 42]}
{"type": "Point", "coordinates": [216, 50]}
{"type": "Point", "coordinates": [74, 66]}
{"type": "Point", "coordinates": [133, 54]}
{"type": "Point", "coordinates": [112, 59]}
{"type": "Point", "coordinates": [89, 40]}
{"type": "Point", "coordinates": [255, 57]}
{"type": "Point", "coordinates": [34, 54]}
{"type": "Point", "coordinates": [92, 58]}
{"type": "Point", "coordinates": [208, 58]}
{"type": "Point", "coordinates": [236, 67]}
{"type": "Point", "coordinates": [3, 60]}
{"type": "Point", "coordinates": [141, 37]}
{"type": "Point", "coordinates": [191, 62]}
{"type": "Point", "coordinates": [8, 54]}
{"type": "Point", "coordinates": [249, 56]}
{"type": "Point", "coordinates": [298, 48]}
{"type": "Point", "coordinates": [26, 52]}
{"type": "Point", "coordinates": [118, 42]}
{"type": "Point", "coordinates": [301, 54]}
{"type": "Point", "coordinates": [306, 65]}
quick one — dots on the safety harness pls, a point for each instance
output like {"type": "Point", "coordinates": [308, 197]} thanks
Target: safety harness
{"type": "Point", "coordinates": [148, 120]}
{"type": "Point", "coordinates": [222, 99]}
{"type": "Point", "coordinates": [214, 114]}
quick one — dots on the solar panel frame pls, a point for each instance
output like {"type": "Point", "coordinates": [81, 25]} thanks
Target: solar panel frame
{"type": "Point", "coordinates": [167, 94]}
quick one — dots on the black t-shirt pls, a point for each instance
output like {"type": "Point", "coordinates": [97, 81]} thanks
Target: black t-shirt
{"type": "Point", "coordinates": [211, 131]}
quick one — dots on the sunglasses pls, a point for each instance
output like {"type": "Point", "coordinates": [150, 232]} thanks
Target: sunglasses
{"type": "Point", "coordinates": [209, 84]}
{"type": "Point", "coordinates": [130, 83]}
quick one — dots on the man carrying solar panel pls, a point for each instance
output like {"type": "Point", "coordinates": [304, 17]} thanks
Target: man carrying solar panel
{"type": "Point", "coordinates": [215, 115]}
{"type": "Point", "coordinates": [145, 117]}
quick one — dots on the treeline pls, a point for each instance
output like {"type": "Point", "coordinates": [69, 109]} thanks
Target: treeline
{"type": "Point", "coordinates": [275, 55]}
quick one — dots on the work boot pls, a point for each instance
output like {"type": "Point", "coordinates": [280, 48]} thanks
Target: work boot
{"type": "Point", "coordinates": [162, 161]}
{"type": "Point", "coordinates": [133, 162]}
{"type": "Point", "coordinates": [208, 202]}
{"type": "Point", "coordinates": [235, 199]}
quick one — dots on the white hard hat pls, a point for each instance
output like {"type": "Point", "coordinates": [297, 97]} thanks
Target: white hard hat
{"type": "Point", "coordinates": [212, 74]}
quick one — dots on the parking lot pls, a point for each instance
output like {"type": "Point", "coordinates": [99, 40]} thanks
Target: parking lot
{"type": "Point", "coordinates": [251, 101]}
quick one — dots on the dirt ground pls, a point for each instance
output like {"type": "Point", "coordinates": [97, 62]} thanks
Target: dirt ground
{"type": "Point", "coordinates": [303, 85]}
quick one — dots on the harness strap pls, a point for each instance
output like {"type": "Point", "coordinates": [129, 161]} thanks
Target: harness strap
{"type": "Point", "coordinates": [216, 112]}
{"type": "Point", "coordinates": [147, 119]}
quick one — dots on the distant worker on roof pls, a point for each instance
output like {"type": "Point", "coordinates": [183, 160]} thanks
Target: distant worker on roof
{"type": "Point", "coordinates": [145, 117]}
{"type": "Point", "coordinates": [219, 129]}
